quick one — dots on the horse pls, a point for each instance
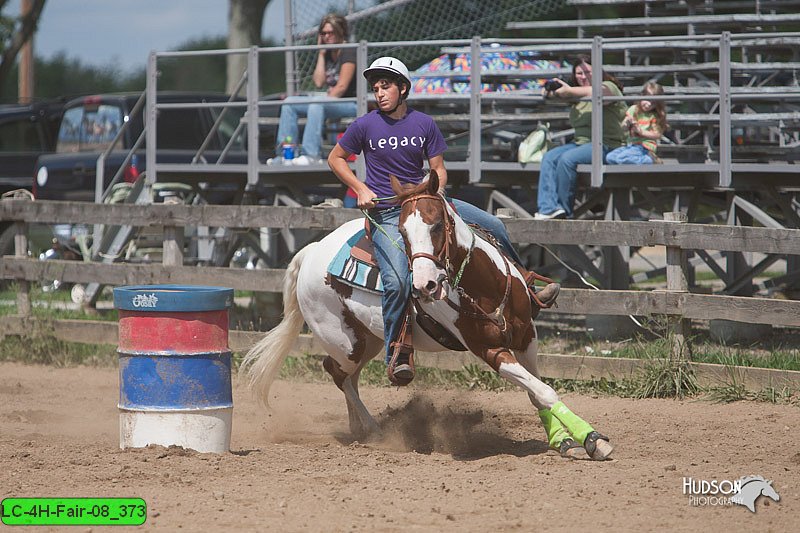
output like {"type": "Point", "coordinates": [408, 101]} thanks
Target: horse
{"type": "Point", "coordinates": [460, 279]}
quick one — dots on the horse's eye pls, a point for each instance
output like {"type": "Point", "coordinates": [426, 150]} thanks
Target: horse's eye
{"type": "Point", "coordinates": [437, 227]}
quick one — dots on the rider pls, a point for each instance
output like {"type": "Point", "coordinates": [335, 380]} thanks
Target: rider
{"type": "Point", "coordinates": [395, 140]}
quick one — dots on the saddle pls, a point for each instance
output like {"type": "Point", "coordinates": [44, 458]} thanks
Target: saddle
{"type": "Point", "coordinates": [360, 269]}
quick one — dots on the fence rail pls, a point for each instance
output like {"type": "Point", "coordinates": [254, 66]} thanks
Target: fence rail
{"type": "Point", "coordinates": [676, 303]}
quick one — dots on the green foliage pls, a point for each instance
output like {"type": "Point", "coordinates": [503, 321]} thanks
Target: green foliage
{"type": "Point", "coordinates": [41, 349]}
{"type": "Point", "coordinates": [663, 376]}
{"type": "Point", "coordinates": [62, 76]}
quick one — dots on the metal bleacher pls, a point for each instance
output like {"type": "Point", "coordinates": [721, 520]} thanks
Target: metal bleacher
{"type": "Point", "coordinates": [729, 70]}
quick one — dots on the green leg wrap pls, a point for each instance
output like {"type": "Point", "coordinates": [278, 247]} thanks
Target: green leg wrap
{"type": "Point", "coordinates": [574, 424]}
{"type": "Point", "coordinates": [555, 431]}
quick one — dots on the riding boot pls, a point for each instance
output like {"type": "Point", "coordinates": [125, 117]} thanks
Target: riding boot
{"type": "Point", "coordinates": [544, 297]}
{"type": "Point", "coordinates": [401, 365]}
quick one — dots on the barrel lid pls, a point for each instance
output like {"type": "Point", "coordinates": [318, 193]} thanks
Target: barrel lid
{"type": "Point", "coordinates": [178, 298]}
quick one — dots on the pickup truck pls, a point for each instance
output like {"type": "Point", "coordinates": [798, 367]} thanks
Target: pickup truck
{"type": "Point", "coordinates": [26, 132]}
{"type": "Point", "coordinates": [90, 123]}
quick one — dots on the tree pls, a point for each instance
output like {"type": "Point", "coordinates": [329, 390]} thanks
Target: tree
{"type": "Point", "coordinates": [245, 19]}
{"type": "Point", "coordinates": [14, 33]}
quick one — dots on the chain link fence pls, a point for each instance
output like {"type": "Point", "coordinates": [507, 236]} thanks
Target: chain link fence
{"type": "Point", "coordinates": [408, 20]}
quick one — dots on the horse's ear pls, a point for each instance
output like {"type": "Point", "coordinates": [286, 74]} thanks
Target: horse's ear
{"type": "Point", "coordinates": [433, 182]}
{"type": "Point", "coordinates": [396, 187]}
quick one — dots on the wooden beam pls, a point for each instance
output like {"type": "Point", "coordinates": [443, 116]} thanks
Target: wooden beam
{"type": "Point", "coordinates": [597, 232]}
{"type": "Point", "coordinates": [266, 280]}
{"type": "Point", "coordinates": [577, 367]}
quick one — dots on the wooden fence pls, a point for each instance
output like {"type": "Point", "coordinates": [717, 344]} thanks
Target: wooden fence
{"type": "Point", "coordinates": [675, 302]}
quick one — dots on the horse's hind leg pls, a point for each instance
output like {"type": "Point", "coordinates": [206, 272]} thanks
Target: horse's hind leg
{"type": "Point", "coordinates": [544, 397]}
{"type": "Point", "coordinates": [362, 424]}
{"type": "Point", "coordinates": [558, 437]}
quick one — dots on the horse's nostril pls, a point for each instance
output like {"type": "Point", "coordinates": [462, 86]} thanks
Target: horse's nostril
{"type": "Point", "coordinates": [431, 286]}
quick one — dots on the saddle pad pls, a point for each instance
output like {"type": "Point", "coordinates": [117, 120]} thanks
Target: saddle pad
{"type": "Point", "coordinates": [353, 268]}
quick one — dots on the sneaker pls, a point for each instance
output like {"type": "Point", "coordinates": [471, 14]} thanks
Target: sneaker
{"type": "Point", "coordinates": [275, 161]}
{"type": "Point", "coordinates": [303, 161]}
{"type": "Point", "coordinates": [558, 213]}
{"type": "Point", "coordinates": [402, 373]}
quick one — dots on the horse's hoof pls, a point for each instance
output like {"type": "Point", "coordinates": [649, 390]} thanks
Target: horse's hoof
{"type": "Point", "coordinates": [572, 450]}
{"type": "Point", "coordinates": [597, 446]}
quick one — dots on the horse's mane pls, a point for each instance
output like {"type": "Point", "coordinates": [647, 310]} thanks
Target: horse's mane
{"type": "Point", "coordinates": [748, 479]}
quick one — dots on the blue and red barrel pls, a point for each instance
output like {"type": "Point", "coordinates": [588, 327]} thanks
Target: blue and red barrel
{"type": "Point", "coordinates": [174, 366]}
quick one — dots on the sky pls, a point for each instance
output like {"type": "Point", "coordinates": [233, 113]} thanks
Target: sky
{"type": "Point", "coordinates": [123, 32]}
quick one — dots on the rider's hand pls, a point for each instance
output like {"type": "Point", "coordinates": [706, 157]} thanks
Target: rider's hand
{"type": "Point", "coordinates": [366, 199]}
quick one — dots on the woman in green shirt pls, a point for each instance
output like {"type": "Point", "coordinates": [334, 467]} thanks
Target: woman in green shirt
{"type": "Point", "coordinates": [559, 169]}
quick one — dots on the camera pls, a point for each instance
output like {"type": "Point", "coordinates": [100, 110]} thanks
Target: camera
{"type": "Point", "coordinates": [552, 85]}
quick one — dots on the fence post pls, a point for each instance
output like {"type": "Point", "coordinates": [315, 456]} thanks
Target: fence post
{"type": "Point", "coordinates": [172, 254]}
{"type": "Point", "coordinates": [677, 282]}
{"type": "Point", "coordinates": [21, 250]}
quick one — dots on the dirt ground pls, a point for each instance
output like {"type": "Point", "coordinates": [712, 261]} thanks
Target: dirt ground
{"type": "Point", "coordinates": [452, 461]}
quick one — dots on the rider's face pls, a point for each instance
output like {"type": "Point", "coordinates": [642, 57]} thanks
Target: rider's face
{"type": "Point", "coordinates": [387, 94]}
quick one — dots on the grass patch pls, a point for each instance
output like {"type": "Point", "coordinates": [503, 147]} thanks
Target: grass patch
{"type": "Point", "coordinates": [45, 350]}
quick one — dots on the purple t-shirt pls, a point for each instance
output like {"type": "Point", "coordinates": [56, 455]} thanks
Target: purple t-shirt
{"type": "Point", "coordinates": [397, 147]}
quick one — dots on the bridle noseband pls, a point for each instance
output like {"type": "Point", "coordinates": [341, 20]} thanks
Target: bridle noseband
{"type": "Point", "coordinates": [443, 259]}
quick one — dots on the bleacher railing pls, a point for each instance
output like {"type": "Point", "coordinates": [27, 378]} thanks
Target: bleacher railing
{"type": "Point", "coordinates": [256, 169]}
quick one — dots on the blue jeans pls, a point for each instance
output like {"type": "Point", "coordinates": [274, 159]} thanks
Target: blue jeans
{"type": "Point", "coordinates": [633, 154]}
{"type": "Point", "coordinates": [393, 262]}
{"type": "Point", "coordinates": [558, 176]}
{"type": "Point", "coordinates": [315, 113]}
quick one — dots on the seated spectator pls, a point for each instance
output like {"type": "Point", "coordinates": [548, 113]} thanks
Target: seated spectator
{"type": "Point", "coordinates": [335, 70]}
{"type": "Point", "coordinates": [558, 173]}
{"type": "Point", "coordinates": [645, 123]}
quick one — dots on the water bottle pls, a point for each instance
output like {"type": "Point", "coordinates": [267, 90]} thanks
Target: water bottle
{"type": "Point", "coordinates": [287, 149]}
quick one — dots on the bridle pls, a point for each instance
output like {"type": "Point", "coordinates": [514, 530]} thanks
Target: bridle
{"type": "Point", "coordinates": [442, 260]}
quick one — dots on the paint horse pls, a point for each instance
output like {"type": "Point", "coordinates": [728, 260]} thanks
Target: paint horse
{"type": "Point", "coordinates": [460, 279]}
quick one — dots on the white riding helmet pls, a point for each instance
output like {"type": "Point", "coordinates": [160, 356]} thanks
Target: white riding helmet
{"type": "Point", "coordinates": [389, 65]}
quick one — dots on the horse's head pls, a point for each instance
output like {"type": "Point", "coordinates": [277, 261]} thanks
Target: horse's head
{"type": "Point", "coordinates": [769, 491]}
{"type": "Point", "coordinates": [427, 229]}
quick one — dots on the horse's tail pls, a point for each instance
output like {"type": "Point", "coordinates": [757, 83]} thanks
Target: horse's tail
{"type": "Point", "coordinates": [263, 361]}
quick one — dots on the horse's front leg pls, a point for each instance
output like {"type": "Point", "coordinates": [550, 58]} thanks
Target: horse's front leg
{"type": "Point", "coordinates": [558, 437]}
{"type": "Point", "coordinates": [545, 398]}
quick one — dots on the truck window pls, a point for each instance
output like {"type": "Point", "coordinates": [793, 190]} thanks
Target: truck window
{"type": "Point", "coordinates": [20, 135]}
{"type": "Point", "coordinates": [100, 125]}
{"type": "Point", "coordinates": [181, 129]}
{"type": "Point", "coordinates": [70, 131]}
{"type": "Point", "coordinates": [230, 121]}
{"type": "Point", "coordinates": [89, 128]}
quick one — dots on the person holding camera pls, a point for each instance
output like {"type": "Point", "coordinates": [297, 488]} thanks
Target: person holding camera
{"type": "Point", "coordinates": [558, 173]}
